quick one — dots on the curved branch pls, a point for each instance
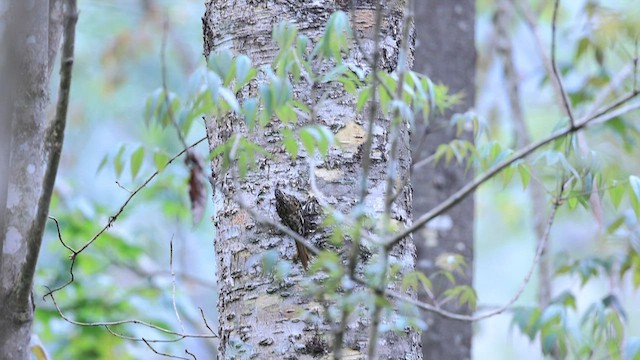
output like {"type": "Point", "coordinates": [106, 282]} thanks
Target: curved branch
{"type": "Point", "coordinates": [123, 322]}
{"type": "Point", "coordinates": [114, 217]}
{"type": "Point", "coordinates": [600, 117]}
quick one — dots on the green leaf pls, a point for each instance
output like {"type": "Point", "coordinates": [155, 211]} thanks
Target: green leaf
{"type": "Point", "coordinates": [363, 97]}
{"type": "Point", "coordinates": [151, 105]}
{"type": "Point", "coordinates": [525, 174]}
{"type": "Point", "coordinates": [284, 33]}
{"type": "Point", "coordinates": [334, 73]}
{"type": "Point", "coordinates": [214, 83]}
{"type": "Point", "coordinates": [230, 99]}
{"type": "Point", "coordinates": [250, 111]}
{"type": "Point", "coordinates": [287, 114]}
{"type": "Point", "coordinates": [222, 63]}
{"type": "Point", "coordinates": [290, 143]}
{"type": "Point", "coordinates": [103, 162]}
{"type": "Point", "coordinates": [118, 165]}
{"type": "Point", "coordinates": [507, 174]}
{"type": "Point", "coordinates": [244, 71]}
{"type": "Point", "coordinates": [465, 295]}
{"type": "Point", "coordinates": [616, 193]}
{"type": "Point", "coordinates": [307, 141]}
{"type": "Point", "coordinates": [136, 161]}
{"type": "Point", "coordinates": [269, 261]}
{"type": "Point", "coordinates": [160, 159]}
{"type": "Point", "coordinates": [527, 319]}
{"type": "Point", "coordinates": [411, 281]}
{"type": "Point", "coordinates": [566, 299]}
{"type": "Point", "coordinates": [634, 183]}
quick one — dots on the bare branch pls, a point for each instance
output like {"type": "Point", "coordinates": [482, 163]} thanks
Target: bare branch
{"type": "Point", "coordinates": [123, 322]}
{"type": "Point", "coordinates": [163, 354]}
{"type": "Point", "coordinates": [173, 284]}
{"type": "Point", "coordinates": [114, 217]}
{"type": "Point", "coordinates": [165, 88]}
{"type": "Point", "coordinates": [539, 252]}
{"type": "Point", "coordinates": [366, 167]}
{"type": "Point", "coordinates": [392, 173]}
{"type": "Point", "coordinates": [554, 65]}
{"type": "Point", "coordinates": [204, 319]}
{"type": "Point", "coordinates": [603, 115]}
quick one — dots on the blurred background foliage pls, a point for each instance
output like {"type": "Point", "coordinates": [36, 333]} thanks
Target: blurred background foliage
{"type": "Point", "coordinates": [125, 274]}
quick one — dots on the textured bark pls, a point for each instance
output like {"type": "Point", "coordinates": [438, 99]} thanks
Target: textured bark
{"type": "Point", "coordinates": [260, 317]}
{"type": "Point", "coordinates": [445, 52]}
{"type": "Point", "coordinates": [29, 36]}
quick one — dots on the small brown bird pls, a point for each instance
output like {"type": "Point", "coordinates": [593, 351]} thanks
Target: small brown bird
{"type": "Point", "coordinates": [291, 212]}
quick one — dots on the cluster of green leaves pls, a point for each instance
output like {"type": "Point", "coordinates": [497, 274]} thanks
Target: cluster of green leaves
{"type": "Point", "coordinates": [600, 332]}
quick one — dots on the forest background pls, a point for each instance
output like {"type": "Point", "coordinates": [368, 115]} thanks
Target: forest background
{"type": "Point", "coordinates": [118, 65]}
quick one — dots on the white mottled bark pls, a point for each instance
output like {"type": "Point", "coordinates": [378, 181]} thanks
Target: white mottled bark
{"type": "Point", "coordinates": [259, 317]}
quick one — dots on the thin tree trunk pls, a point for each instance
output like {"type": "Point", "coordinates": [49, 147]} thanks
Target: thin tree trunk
{"type": "Point", "coordinates": [31, 29]}
{"type": "Point", "coordinates": [258, 315]}
{"type": "Point", "coordinates": [502, 19]}
{"type": "Point", "coordinates": [445, 52]}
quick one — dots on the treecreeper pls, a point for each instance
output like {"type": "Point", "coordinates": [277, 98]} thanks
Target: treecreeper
{"type": "Point", "coordinates": [298, 216]}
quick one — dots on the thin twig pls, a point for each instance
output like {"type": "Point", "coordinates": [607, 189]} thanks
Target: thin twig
{"type": "Point", "coordinates": [554, 65]}
{"type": "Point", "coordinates": [603, 115]}
{"type": "Point", "coordinates": [204, 319]}
{"type": "Point", "coordinates": [114, 217]}
{"type": "Point", "coordinates": [530, 18]}
{"type": "Point", "coordinates": [455, 316]}
{"type": "Point", "coordinates": [122, 322]}
{"type": "Point", "coordinates": [173, 284]}
{"type": "Point", "coordinates": [165, 88]}
{"type": "Point", "coordinates": [366, 168]}
{"type": "Point", "coordinates": [522, 137]}
{"type": "Point", "coordinates": [188, 353]}
{"type": "Point", "coordinates": [161, 353]}
{"type": "Point", "coordinates": [392, 173]}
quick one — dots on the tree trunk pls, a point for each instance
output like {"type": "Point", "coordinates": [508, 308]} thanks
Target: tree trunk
{"type": "Point", "coordinates": [445, 52]}
{"type": "Point", "coordinates": [32, 37]}
{"type": "Point", "coordinates": [258, 315]}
